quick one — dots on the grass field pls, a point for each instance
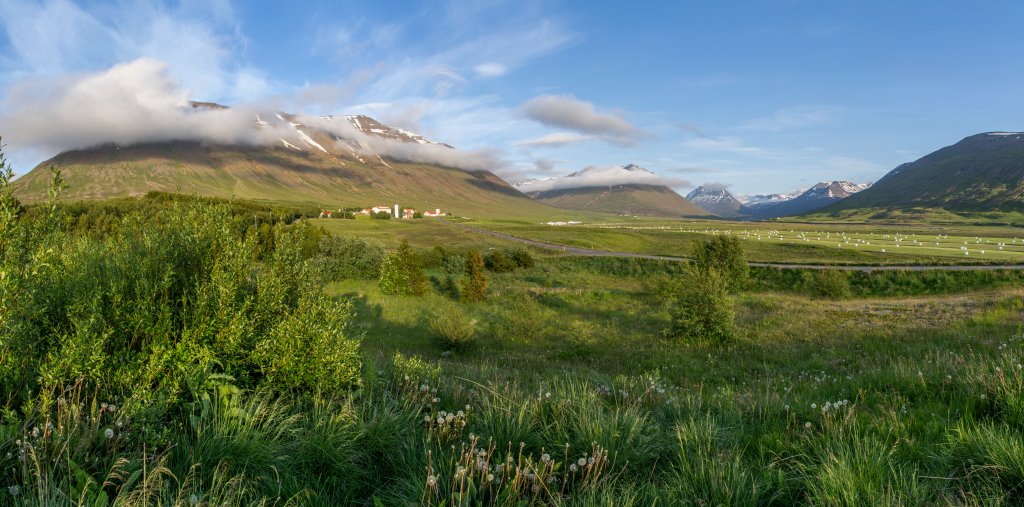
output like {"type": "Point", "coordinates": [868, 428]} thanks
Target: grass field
{"type": "Point", "coordinates": [763, 242]}
{"type": "Point", "coordinates": [179, 355]}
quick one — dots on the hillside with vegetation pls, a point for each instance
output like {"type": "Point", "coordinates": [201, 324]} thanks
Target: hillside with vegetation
{"type": "Point", "coordinates": [318, 169]}
{"type": "Point", "coordinates": [982, 175]}
{"type": "Point", "coordinates": [635, 199]}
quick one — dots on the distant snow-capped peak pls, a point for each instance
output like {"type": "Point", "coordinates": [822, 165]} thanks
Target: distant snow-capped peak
{"type": "Point", "coordinates": [834, 189]}
{"type": "Point", "coordinates": [705, 194]}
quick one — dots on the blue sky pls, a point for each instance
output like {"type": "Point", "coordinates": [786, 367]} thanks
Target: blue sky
{"type": "Point", "coordinates": [765, 96]}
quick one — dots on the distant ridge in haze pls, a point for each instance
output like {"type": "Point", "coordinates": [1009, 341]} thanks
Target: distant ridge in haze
{"type": "Point", "coordinates": [817, 197]}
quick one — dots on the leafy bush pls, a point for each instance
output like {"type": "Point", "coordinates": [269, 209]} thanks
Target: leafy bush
{"type": "Point", "coordinates": [520, 255]}
{"type": "Point", "coordinates": [451, 327]}
{"type": "Point", "coordinates": [392, 279]}
{"type": "Point", "coordinates": [346, 257]}
{"type": "Point", "coordinates": [827, 283]}
{"type": "Point", "coordinates": [702, 309]}
{"type": "Point", "coordinates": [498, 262]}
{"type": "Point", "coordinates": [723, 254]}
{"type": "Point", "coordinates": [402, 274]}
{"type": "Point", "coordinates": [154, 298]}
{"type": "Point", "coordinates": [453, 264]}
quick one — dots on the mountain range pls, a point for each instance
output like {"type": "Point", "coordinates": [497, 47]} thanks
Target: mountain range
{"type": "Point", "coordinates": [306, 165]}
{"type": "Point", "coordinates": [718, 200]}
{"type": "Point", "coordinates": [582, 190]}
{"type": "Point", "coordinates": [359, 161]}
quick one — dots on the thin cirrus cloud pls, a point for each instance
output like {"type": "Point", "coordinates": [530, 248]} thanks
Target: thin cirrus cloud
{"type": "Point", "coordinates": [555, 139]}
{"type": "Point", "coordinates": [568, 112]}
{"type": "Point", "coordinates": [791, 118]}
{"type": "Point", "coordinates": [491, 69]}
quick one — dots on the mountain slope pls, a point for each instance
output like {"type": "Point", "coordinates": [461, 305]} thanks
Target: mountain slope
{"type": "Point", "coordinates": [623, 190]}
{"type": "Point", "coordinates": [310, 167]}
{"type": "Point", "coordinates": [981, 173]}
{"type": "Point", "coordinates": [814, 198]}
{"type": "Point", "coordinates": [715, 199]}
{"type": "Point", "coordinates": [643, 200]}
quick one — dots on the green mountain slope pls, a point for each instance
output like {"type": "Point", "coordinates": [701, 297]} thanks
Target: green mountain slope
{"type": "Point", "coordinates": [643, 200]}
{"type": "Point", "coordinates": [320, 172]}
{"type": "Point", "coordinates": [983, 173]}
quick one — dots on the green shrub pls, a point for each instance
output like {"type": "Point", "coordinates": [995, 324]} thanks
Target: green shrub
{"type": "Point", "coordinates": [451, 327]}
{"type": "Point", "coordinates": [392, 279]}
{"type": "Point", "coordinates": [520, 255]}
{"type": "Point", "coordinates": [498, 262]}
{"type": "Point", "coordinates": [402, 274]}
{"type": "Point", "coordinates": [827, 283]}
{"type": "Point", "coordinates": [453, 264]}
{"type": "Point", "coordinates": [346, 257]}
{"type": "Point", "coordinates": [702, 309]}
{"type": "Point", "coordinates": [723, 254]}
{"type": "Point", "coordinates": [474, 287]}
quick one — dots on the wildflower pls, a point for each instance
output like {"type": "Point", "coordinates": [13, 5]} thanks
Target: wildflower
{"type": "Point", "coordinates": [436, 400]}
{"type": "Point", "coordinates": [535, 488]}
{"type": "Point", "coordinates": [426, 418]}
{"type": "Point", "coordinates": [814, 406]}
{"type": "Point", "coordinates": [807, 425]}
{"type": "Point", "coordinates": [111, 408]}
{"type": "Point", "coordinates": [424, 388]}
{"type": "Point", "coordinates": [545, 457]}
{"type": "Point", "coordinates": [573, 468]}
{"type": "Point", "coordinates": [467, 408]}
{"type": "Point", "coordinates": [14, 490]}
{"type": "Point", "coordinates": [193, 500]}
{"type": "Point", "coordinates": [581, 462]}
{"type": "Point", "coordinates": [109, 433]}
{"type": "Point", "coordinates": [490, 477]}
{"type": "Point", "coordinates": [431, 480]}
{"type": "Point", "coordinates": [35, 432]}
{"type": "Point", "coordinates": [547, 395]}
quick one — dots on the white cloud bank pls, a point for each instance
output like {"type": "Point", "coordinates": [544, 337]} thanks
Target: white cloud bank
{"type": "Point", "coordinates": [595, 176]}
{"type": "Point", "coordinates": [139, 102]}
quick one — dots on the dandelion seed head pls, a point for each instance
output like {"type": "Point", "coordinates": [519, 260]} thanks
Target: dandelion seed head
{"type": "Point", "coordinates": [109, 433]}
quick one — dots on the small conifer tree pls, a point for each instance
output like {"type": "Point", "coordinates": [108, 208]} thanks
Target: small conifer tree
{"type": "Point", "coordinates": [474, 288]}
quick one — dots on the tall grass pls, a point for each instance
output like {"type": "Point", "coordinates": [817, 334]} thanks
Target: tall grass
{"type": "Point", "coordinates": [177, 360]}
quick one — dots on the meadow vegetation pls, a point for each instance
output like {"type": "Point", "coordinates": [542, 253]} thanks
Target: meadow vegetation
{"type": "Point", "coordinates": [183, 355]}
